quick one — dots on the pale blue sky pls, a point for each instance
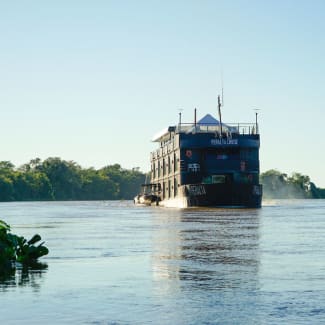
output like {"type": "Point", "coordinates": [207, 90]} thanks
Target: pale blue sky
{"type": "Point", "coordinates": [93, 81]}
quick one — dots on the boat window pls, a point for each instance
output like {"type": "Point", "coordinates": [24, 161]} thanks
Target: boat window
{"type": "Point", "coordinates": [153, 170]}
{"type": "Point", "coordinates": [169, 188]}
{"type": "Point", "coordinates": [169, 165]}
{"type": "Point", "coordinates": [164, 190]}
{"type": "Point", "coordinates": [207, 180]}
{"type": "Point", "coordinates": [175, 163]}
{"type": "Point", "coordinates": [218, 179]}
{"type": "Point", "coordinates": [175, 186]}
{"type": "Point", "coordinates": [214, 179]}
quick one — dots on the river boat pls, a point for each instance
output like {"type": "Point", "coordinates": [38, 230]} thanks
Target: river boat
{"type": "Point", "coordinates": [147, 196]}
{"type": "Point", "coordinates": [206, 163]}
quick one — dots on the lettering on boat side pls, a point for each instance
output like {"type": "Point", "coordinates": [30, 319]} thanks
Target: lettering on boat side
{"type": "Point", "coordinates": [224, 141]}
{"type": "Point", "coordinates": [196, 190]}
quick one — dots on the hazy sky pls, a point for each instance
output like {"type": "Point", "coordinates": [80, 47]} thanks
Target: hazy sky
{"type": "Point", "coordinates": [93, 81]}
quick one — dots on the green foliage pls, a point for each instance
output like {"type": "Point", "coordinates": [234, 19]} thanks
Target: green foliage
{"type": "Point", "coordinates": [128, 182]}
{"type": "Point", "coordinates": [6, 187]}
{"type": "Point", "coordinates": [32, 185]}
{"type": "Point", "coordinates": [7, 250]}
{"type": "Point", "coordinates": [15, 248]}
{"type": "Point", "coordinates": [65, 177]}
{"type": "Point", "coordinates": [96, 185]}
{"type": "Point", "coordinates": [27, 252]}
{"type": "Point", "coordinates": [57, 179]}
{"type": "Point", "coordinates": [278, 185]}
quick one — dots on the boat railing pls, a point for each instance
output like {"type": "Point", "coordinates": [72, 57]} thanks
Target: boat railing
{"type": "Point", "coordinates": [228, 128]}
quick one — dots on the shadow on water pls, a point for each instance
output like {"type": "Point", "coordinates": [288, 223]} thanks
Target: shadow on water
{"type": "Point", "coordinates": [23, 276]}
{"type": "Point", "coordinates": [212, 249]}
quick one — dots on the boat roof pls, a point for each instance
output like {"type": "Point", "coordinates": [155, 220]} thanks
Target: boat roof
{"type": "Point", "coordinates": [159, 135]}
{"type": "Point", "coordinates": [208, 119]}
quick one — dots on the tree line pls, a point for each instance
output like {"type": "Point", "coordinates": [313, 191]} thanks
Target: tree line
{"type": "Point", "coordinates": [57, 179]}
{"type": "Point", "coordinates": [278, 185]}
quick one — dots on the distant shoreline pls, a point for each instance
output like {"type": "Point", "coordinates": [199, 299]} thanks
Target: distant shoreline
{"type": "Point", "coordinates": [55, 179]}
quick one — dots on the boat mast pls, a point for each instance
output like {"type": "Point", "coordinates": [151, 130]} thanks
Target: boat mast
{"type": "Point", "coordinates": [219, 110]}
{"type": "Point", "coordinates": [256, 123]}
{"type": "Point", "coordinates": [220, 103]}
{"type": "Point", "coordinates": [180, 116]}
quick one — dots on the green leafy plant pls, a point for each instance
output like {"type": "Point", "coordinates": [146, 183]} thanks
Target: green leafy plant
{"type": "Point", "coordinates": [16, 249]}
{"type": "Point", "coordinates": [7, 250]}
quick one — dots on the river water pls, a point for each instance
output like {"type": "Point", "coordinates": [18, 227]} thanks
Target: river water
{"type": "Point", "coordinates": [113, 263]}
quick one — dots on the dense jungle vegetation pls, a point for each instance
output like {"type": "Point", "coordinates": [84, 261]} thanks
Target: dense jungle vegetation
{"type": "Point", "coordinates": [57, 179]}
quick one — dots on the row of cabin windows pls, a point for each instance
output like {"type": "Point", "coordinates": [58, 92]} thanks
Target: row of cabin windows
{"type": "Point", "coordinates": [170, 188]}
{"type": "Point", "coordinates": [165, 166]}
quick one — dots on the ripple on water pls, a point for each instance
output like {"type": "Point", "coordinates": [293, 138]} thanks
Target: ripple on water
{"type": "Point", "coordinates": [112, 262]}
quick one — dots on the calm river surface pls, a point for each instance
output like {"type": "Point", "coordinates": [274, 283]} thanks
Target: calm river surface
{"type": "Point", "coordinates": [113, 263]}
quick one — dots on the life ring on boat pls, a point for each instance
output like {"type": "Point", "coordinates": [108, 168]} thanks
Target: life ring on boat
{"type": "Point", "coordinates": [188, 153]}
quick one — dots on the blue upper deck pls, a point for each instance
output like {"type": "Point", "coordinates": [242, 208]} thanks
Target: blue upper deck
{"type": "Point", "coordinates": [210, 135]}
{"type": "Point", "coordinates": [198, 138]}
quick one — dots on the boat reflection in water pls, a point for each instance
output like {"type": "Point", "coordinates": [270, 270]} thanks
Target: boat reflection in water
{"type": "Point", "coordinates": [211, 249]}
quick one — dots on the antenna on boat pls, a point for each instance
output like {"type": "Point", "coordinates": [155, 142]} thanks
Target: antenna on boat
{"type": "Point", "coordinates": [195, 116]}
{"type": "Point", "coordinates": [180, 116]}
{"type": "Point", "coordinates": [220, 102]}
{"type": "Point", "coordinates": [256, 124]}
{"type": "Point", "coordinates": [219, 111]}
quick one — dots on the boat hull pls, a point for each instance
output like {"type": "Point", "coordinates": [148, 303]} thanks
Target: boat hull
{"type": "Point", "coordinates": [216, 195]}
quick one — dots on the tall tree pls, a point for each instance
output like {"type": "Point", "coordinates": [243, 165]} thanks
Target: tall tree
{"type": "Point", "coordinates": [64, 176]}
